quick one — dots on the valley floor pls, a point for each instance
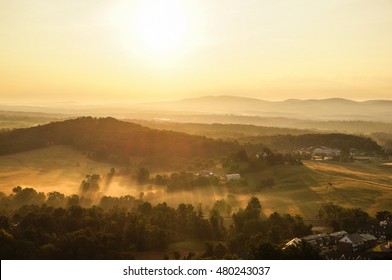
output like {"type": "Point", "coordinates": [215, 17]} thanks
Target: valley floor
{"type": "Point", "coordinates": [297, 189]}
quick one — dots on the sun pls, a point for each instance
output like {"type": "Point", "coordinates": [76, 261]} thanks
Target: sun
{"type": "Point", "coordinates": [162, 26]}
{"type": "Point", "coordinates": [163, 33]}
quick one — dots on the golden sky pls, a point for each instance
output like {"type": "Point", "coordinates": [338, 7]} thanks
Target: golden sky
{"type": "Point", "coordinates": [121, 51]}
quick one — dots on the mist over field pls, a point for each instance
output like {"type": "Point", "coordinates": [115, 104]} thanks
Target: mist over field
{"type": "Point", "coordinates": [62, 169]}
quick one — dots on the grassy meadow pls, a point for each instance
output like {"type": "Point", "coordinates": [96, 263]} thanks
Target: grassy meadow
{"type": "Point", "coordinates": [302, 190]}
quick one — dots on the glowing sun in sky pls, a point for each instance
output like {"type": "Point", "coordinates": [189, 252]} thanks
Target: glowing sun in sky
{"type": "Point", "coordinates": [162, 25]}
{"type": "Point", "coordinates": [159, 31]}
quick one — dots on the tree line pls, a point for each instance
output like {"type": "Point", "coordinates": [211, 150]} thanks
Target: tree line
{"type": "Point", "coordinates": [54, 226]}
{"type": "Point", "coordinates": [288, 143]}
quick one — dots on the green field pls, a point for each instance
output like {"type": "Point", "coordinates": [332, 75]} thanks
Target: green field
{"type": "Point", "coordinates": [303, 189]}
{"type": "Point", "coordinates": [297, 190]}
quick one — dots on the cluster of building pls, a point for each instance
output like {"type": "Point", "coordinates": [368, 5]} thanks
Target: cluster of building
{"type": "Point", "coordinates": [327, 153]}
{"type": "Point", "coordinates": [342, 241]}
{"type": "Point", "coordinates": [233, 177]}
{"type": "Point", "coordinates": [342, 245]}
{"type": "Point", "coordinates": [319, 153]}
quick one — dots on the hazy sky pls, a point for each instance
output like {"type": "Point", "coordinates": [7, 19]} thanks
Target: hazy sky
{"type": "Point", "coordinates": [131, 51]}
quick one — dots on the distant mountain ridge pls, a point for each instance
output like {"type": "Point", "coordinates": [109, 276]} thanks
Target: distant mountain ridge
{"type": "Point", "coordinates": [331, 108]}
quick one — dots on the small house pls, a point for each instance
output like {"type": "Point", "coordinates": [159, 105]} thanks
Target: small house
{"type": "Point", "coordinates": [350, 243]}
{"type": "Point", "coordinates": [233, 177]}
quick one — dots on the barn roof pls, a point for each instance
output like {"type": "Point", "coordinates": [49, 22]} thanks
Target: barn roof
{"type": "Point", "coordinates": [354, 238]}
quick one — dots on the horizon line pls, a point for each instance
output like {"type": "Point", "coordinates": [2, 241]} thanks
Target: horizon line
{"type": "Point", "coordinates": [67, 103]}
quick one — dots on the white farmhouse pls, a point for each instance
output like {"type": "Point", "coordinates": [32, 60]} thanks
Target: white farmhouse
{"type": "Point", "coordinates": [233, 177]}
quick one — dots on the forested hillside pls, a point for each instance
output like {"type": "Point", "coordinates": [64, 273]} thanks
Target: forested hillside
{"type": "Point", "coordinates": [108, 137]}
{"type": "Point", "coordinates": [287, 143]}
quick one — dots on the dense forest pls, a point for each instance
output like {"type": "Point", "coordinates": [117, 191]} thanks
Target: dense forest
{"type": "Point", "coordinates": [54, 226]}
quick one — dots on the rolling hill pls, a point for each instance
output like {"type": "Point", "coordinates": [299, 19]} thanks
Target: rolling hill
{"type": "Point", "coordinates": [110, 138]}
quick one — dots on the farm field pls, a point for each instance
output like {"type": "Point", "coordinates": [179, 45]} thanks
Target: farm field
{"type": "Point", "coordinates": [297, 190]}
{"type": "Point", "coordinates": [302, 190]}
